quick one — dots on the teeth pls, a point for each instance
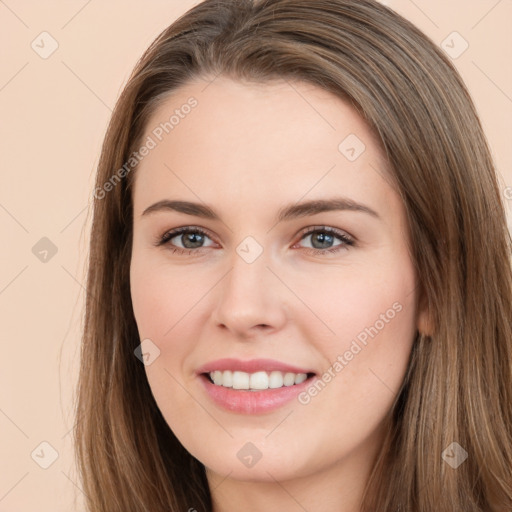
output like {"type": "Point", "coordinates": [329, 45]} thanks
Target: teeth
{"type": "Point", "coordinates": [256, 381]}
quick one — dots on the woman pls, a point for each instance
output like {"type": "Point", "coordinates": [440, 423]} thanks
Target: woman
{"type": "Point", "coordinates": [299, 290]}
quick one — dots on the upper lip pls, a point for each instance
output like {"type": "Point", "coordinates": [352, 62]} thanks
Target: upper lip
{"type": "Point", "coordinates": [250, 366]}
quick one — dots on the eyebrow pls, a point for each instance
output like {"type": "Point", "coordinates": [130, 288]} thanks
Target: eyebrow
{"type": "Point", "coordinates": [289, 212]}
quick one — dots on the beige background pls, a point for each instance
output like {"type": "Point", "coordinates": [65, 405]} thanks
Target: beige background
{"type": "Point", "coordinates": [54, 113]}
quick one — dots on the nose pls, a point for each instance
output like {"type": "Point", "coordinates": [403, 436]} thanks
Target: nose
{"type": "Point", "coordinates": [251, 299]}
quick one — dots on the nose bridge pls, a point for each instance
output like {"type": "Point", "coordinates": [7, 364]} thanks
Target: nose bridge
{"type": "Point", "coordinates": [250, 294]}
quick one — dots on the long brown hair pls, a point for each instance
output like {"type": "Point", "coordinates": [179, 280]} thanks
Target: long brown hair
{"type": "Point", "coordinates": [458, 386]}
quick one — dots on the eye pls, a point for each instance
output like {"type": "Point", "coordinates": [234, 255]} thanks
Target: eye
{"type": "Point", "coordinates": [190, 237]}
{"type": "Point", "coordinates": [322, 238]}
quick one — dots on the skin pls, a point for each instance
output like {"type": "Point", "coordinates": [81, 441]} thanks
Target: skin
{"type": "Point", "coordinates": [248, 150]}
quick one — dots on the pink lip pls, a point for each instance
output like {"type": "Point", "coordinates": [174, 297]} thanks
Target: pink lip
{"type": "Point", "coordinates": [252, 402]}
{"type": "Point", "coordinates": [252, 366]}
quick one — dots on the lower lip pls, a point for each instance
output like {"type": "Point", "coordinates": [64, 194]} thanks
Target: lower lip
{"type": "Point", "coordinates": [252, 402]}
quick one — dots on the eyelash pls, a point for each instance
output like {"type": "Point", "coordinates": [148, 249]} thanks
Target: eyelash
{"type": "Point", "coordinates": [347, 241]}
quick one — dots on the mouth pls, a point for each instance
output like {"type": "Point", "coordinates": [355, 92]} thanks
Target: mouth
{"type": "Point", "coordinates": [257, 381]}
{"type": "Point", "coordinates": [252, 393]}
{"type": "Point", "coordinates": [255, 386]}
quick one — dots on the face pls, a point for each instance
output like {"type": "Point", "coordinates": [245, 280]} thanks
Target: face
{"type": "Point", "coordinates": [326, 289]}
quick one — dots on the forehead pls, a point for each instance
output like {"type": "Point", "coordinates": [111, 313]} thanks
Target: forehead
{"type": "Point", "coordinates": [225, 140]}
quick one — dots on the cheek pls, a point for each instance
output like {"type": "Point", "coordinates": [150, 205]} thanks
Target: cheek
{"type": "Point", "coordinates": [357, 302]}
{"type": "Point", "coordinates": [373, 317]}
{"type": "Point", "coordinates": [161, 296]}
{"type": "Point", "coordinates": [168, 304]}
{"type": "Point", "coordinates": [163, 302]}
